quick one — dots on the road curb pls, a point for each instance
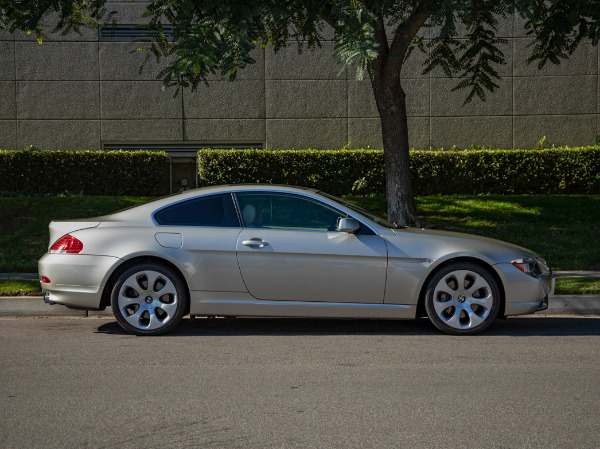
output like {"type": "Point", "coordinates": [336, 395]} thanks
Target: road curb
{"type": "Point", "coordinates": [35, 306]}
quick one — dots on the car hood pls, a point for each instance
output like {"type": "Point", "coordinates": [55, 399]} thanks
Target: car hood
{"type": "Point", "coordinates": [433, 244]}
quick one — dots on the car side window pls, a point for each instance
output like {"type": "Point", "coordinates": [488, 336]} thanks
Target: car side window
{"type": "Point", "coordinates": [286, 211]}
{"type": "Point", "coordinates": [213, 210]}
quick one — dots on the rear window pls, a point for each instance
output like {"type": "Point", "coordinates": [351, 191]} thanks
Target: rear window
{"type": "Point", "coordinates": [213, 210]}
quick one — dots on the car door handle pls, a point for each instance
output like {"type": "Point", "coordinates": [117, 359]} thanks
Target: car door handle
{"type": "Point", "coordinates": [255, 243]}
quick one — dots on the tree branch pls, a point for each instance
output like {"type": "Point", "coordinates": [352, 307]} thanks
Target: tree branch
{"type": "Point", "coordinates": [406, 32]}
{"type": "Point", "coordinates": [325, 13]}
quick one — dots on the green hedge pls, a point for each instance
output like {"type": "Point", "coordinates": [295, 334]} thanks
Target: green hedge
{"type": "Point", "coordinates": [84, 172]}
{"type": "Point", "coordinates": [557, 170]}
{"type": "Point", "coordinates": [331, 171]}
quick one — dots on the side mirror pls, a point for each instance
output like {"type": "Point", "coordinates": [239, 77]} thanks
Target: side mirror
{"type": "Point", "coordinates": [349, 225]}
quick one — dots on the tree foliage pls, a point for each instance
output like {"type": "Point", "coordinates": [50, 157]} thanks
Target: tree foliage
{"type": "Point", "coordinates": [218, 36]}
{"type": "Point", "coordinates": [68, 15]}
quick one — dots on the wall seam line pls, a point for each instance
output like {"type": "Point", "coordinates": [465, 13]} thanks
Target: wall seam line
{"type": "Point", "coordinates": [100, 117]}
{"type": "Point", "coordinates": [512, 83]}
{"type": "Point", "coordinates": [16, 96]}
{"type": "Point", "coordinates": [264, 80]}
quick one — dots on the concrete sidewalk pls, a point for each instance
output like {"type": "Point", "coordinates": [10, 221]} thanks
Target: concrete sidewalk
{"type": "Point", "coordinates": [35, 306]}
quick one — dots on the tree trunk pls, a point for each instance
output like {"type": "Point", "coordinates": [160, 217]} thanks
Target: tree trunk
{"type": "Point", "coordinates": [391, 103]}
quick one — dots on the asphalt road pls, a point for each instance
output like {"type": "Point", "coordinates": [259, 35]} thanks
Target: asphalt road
{"type": "Point", "coordinates": [260, 383]}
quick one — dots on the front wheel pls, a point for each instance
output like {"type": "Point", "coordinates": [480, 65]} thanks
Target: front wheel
{"type": "Point", "coordinates": [149, 299]}
{"type": "Point", "coordinates": [462, 298]}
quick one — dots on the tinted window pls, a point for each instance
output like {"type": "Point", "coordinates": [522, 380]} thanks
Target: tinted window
{"type": "Point", "coordinates": [285, 211]}
{"type": "Point", "coordinates": [214, 210]}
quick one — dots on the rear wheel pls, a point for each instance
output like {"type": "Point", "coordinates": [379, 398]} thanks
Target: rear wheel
{"type": "Point", "coordinates": [462, 298]}
{"type": "Point", "coordinates": [149, 299]}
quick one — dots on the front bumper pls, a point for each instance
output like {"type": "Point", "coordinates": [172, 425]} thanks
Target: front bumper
{"type": "Point", "coordinates": [76, 280]}
{"type": "Point", "coordinates": [523, 293]}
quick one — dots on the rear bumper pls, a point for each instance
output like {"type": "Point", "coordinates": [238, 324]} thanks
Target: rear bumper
{"type": "Point", "coordinates": [74, 299]}
{"type": "Point", "coordinates": [76, 280]}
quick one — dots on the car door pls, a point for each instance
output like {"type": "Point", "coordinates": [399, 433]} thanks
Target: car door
{"type": "Point", "coordinates": [205, 231]}
{"type": "Point", "coordinates": [290, 250]}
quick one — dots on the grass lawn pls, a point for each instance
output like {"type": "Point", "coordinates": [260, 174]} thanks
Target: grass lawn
{"type": "Point", "coordinates": [577, 286]}
{"type": "Point", "coordinates": [565, 229]}
{"type": "Point", "coordinates": [11, 287]}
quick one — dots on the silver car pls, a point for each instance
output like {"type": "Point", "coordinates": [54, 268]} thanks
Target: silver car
{"type": "Point", "coordinates": [265, 250]}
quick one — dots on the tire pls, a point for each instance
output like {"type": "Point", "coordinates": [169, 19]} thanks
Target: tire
{"type": "Point", "coordinates": [462, 298]}
{"type": "Point", "coordinates": [149, 299]}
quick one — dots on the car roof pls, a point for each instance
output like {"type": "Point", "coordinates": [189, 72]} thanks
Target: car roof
{"type": "Point", "coordinates": [143, 211]}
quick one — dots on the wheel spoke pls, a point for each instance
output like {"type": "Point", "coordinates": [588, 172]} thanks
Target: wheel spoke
{"type": "Point", "coordinates": [132, 283]}
{"type": "Point", "coordinates": [134, 319]}
{"type": "Point", "coordinates": [442, 288]}
{"type": "Point", "coordinates": [441, 306]}
{"type": "Point", "coordinates": [152, 277]}
{"type": "Point", "coordinates": [478, 285]}
{"type": "Point", "coordinates": [460, 278]}
{"type": "Point", "coordinates": [444, 283]}
{"type": "Point", "coordinates": [486, 302]}
{"type": "Point", "coordinates": [154, 323]}
{"type": "Point", "coordinates": [454, 320]}
{"type": "Point", "coordinates": [168, 308]}
{"type": "Point", "coordinates": [474, 319]}
{"type": "Point", "coordinates": [125, 301]}
{"type": "Point", "coordinates": [167, 289]}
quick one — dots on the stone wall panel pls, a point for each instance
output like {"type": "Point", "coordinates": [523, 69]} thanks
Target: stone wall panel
{"type": "Point", "coordinates": [306, 99]}
{"type": "Point", "coordinates": [57, 61]}
{"type": "Point", "coordinates": [151, 130]}
{"type": "Point", "coordinates": [225, 130]}
{"type": "Point", "coordinates": [319, 134]}
{"type": "Point", "coordinates": [446, 103]}
{"type": "Point", "coordinates": [288, 64]}
{"type": "Point", "coordinates": [122, 61]}
{"type": "Point", "coordinates": [59, 134]}
{"type": "Point", "coordinates": [8, 102]}
{"type": "Point", "coordinates": [138, 100]}
{"type": "Point", "coordinates": [559, 130]}
{"type": "Point", "coordinates": [59, 100]}
{"type": "Point", "coordinates": [495, 132]}
{"type": "Point", "coordinates": [8, 135]}
{"type": "Point", "coordinates": [7, 60]}
{"type": "Point", "coordinates": [242, 99]}
{"type": "Point", "coordinates": [555, 95]}
{"type": "Point", "coordinates": [584, 61]}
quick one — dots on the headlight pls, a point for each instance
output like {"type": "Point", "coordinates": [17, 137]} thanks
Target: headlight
{"type": "Point", "coordinates": [531, 266]}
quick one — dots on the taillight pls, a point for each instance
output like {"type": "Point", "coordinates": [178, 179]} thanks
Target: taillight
{"type": "Point", "coordinates": [67, 244]}
{"type": "Point", "coordinates": [46, 280]}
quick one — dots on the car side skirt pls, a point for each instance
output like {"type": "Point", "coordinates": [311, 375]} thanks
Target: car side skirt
{"type": "Point", "coordinates": [243, 304]}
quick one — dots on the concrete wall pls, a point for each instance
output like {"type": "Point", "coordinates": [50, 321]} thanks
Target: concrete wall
{"type": "Point", "coordinates": [74, 92]}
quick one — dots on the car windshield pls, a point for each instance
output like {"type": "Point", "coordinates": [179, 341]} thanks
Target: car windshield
{"type": "Point", "coordinates": [380, 221]}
